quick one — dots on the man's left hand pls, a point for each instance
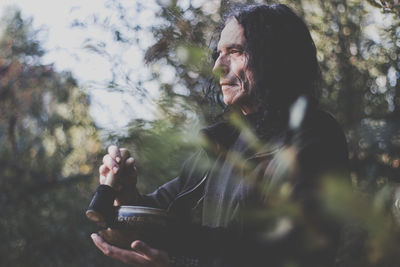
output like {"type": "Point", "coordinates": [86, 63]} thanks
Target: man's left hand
{"type": "Point", "coordinates": [140, 255]}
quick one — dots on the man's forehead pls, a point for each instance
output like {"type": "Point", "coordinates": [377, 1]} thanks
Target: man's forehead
{"type": "Point", "coordinates": [232, 34]}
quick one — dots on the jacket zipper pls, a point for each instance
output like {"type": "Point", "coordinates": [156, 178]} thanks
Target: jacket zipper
{"type": "Point", "coordinates": [188, 191]}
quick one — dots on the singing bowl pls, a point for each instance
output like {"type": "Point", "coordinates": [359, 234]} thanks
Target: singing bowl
{"type": "Point", "coordinates": [136, 223]}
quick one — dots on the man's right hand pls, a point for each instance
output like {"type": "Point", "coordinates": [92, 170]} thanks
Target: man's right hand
{"type": "Point", "coordinates": [118, 171]}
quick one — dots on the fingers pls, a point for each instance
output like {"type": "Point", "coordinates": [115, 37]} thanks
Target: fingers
{"type": "Point", "coordinates": [110, 163]}
{"type": "Point", "coordinates": [115, 156]}
{"type": "Point", "coordinates": [141, 247]}
{"type": "Point", "coordinates": [130, 167]}
{"type": "Point", "coordinates": [100, 243]}
{"type": "Point", "coordinates": [118, 154]}
{"type": "Point", "coordinates": [159, 257]}
{"type": "Point", "coordinates": [130, 161]}
{"type": "Point", "coordinates": [124, 154]}
{"type": "Point", "coordinates": [103, 171]}
{"type": "Point", "coordinates": [108, 177]}
{"type": "Point", "coordinates": [111, 180]}
{"type": "Point", "coordinates": [114, 152]}
{"type": "Point", "coordinates": [118, 170]}
{"type": "Point", "coordinates": [129, 257]}
{"type": "Point", "coordinates": [141, 255]}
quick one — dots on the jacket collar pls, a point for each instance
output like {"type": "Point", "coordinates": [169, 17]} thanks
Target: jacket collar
{"type": "Point", "coordinates": [221, 135]}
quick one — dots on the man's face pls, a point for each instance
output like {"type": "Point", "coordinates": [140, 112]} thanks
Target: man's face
{"type": "Point", "coordinates": [236, 79]}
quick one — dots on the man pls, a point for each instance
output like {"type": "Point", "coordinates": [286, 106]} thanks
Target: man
{"type": "Point", "coordinates": [267, 68]}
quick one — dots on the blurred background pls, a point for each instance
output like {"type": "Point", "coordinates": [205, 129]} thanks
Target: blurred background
{"type": "Point", "coordinates": [77, 76]}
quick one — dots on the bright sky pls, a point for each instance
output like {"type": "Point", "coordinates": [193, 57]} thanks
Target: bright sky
{"type": "Point", "coordinates": [64, 46]}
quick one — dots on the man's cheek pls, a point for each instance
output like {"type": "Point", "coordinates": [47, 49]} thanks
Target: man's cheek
{"type": "Point", "coordinates": [244, 82]}
{"type": "Point", "coordinates": [249, 78]}
{"type": "Point", "coordinates": [241, 77]}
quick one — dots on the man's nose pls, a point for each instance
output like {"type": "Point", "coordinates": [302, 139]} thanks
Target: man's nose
{"type": "Point", "coordinates": [221, 67]}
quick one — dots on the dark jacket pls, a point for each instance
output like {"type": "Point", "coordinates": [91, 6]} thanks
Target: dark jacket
{"type": "Point", "coordinates": [280, 173]}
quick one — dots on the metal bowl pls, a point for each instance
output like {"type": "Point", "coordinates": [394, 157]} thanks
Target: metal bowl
{"type": "Point", "coordinates": [137, 223]}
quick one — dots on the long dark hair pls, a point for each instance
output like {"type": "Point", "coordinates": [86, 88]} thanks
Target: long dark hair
{"type": "Point", "coordinates": [282, 55]}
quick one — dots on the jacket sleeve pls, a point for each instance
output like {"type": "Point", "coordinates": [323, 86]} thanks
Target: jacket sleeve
{"type": "Point", "coordinates": [164, 195]}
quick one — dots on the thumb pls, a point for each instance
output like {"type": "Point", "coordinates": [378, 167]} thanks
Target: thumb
{"type": "Point", "coordinates": [111, 180]}
{"type": "Point", "coordinates": [141, 247]}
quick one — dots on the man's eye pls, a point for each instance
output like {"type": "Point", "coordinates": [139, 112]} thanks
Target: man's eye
{"type": "Point", "coordinates": [235, 51]}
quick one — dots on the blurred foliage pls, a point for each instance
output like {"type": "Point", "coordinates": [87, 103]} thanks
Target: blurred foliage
{"type": "Point", "coordinates": [358, 50]}
{"type": "Point", "coordinates": [386, 6]}
{"type": "Point", "coordinates": [159, 148]}
{"type": "Point", "coordinates": [49, 145]}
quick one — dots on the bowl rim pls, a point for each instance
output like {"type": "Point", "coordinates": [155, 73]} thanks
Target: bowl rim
{"type": "Point", "coordinates": [142, 210]}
